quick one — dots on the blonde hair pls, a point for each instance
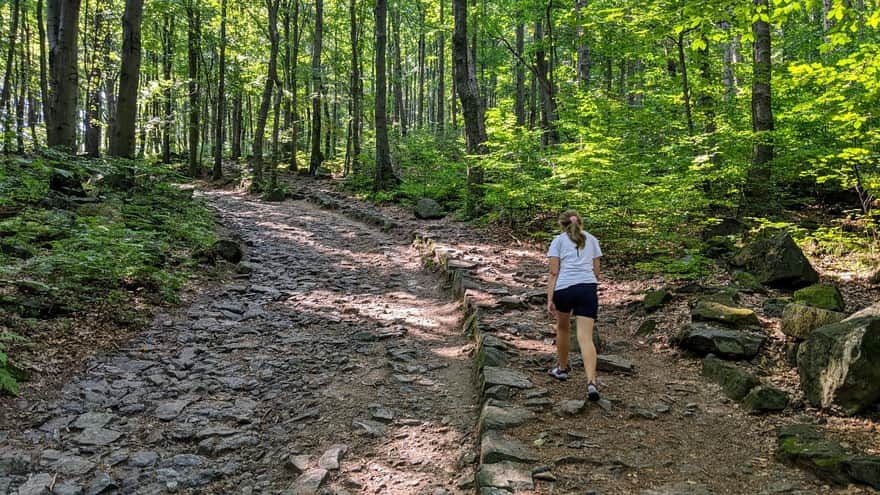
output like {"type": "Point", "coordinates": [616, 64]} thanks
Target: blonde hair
{"type": "Point", "coordinates": [572, 225]}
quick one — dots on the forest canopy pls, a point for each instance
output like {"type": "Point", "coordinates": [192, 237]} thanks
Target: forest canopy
{"type": "Point", "coordinates": [657, 119]}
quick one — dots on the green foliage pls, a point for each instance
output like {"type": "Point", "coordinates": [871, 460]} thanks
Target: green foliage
{"type": "Point", "coordinates": [687, 267]}
{"type": "Point", "coordinates": [9, 376]}
{"type": "Point", "coordinates": [432, 166]}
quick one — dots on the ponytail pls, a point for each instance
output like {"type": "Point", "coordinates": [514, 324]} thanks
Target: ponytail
{"type": "Point", "coordinates": [572, 225]}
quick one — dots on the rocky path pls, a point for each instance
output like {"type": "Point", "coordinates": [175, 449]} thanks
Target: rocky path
{"type": "Point", "coordinates": [333, 361]}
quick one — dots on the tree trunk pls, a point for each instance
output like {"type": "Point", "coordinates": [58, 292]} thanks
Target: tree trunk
{"type": "Point", "coordinates": [62, 20]}
{"type": "Point", "coordinates": [294, 112]}
{"type": "Point", "coordinates": [167, 62]}
{"type": "Point", "coordinates": [705, 101]}
{"type": "Point", "coordinates": [583, 50]}
{"type": "Point", "coordinates": [463, 70]}
{"type": "Point", "coordinates": [547, 87]}
{"type": "Point", "coordinates": [95, 80]}
{"type": "Point", "coordinates": [441, 72]}
{"type": "Point", "coordinates": [317, 157]}
{"type": "Point", "coordinates": [519, 105]}
{"type": "Point", "coordinates": [6, 93]}
{"type": "Point", "coordinates": [44, 78]}
{"type": "Point", "coordinates": [266, 100]}
{"type": "Point", "coordinates": [355, 88]}
{"type": "Point", "coordinates": [237, 116]}
{"type": "Point", "coordinates": [399, 109]}
{"type": "Point", "coordinates": [758, 187]}
{"type": "Point", "coordinates": [217, 172]}
{"type": "Point", "coordinates": [685, 88]}
{"type": "Point", "coordinates": [193, 35]}
{"type": "Point", "coordinates": [384, 175]}
{"type": "Point", "coordinates": [122, 141]}
{"type": "Point", "coordinates": [420, 109]}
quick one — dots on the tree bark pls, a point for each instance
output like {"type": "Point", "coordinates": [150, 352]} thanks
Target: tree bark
{"type": "Point", "coordinates": [399, 110]}
{"type": "Point", "coordinates": [463, 70]}
{"type": "Point", "coordinates": [95, 81]}
{"type": "Point", "coordinates": [237, 116]}
{"type": "Point", "coordinates": [420, 109]}
{"type": "Point", "coordinates": [355, 88]}
{"type": "Point", "coordinates": [583, 49]}
{"type": "Point", "coordinates": [217, 171]}
{"type": "Point", "coordinates": [317, 158]}
{"type": "Point", "coordinates": [384, 175]}
{"type": "Point", "coordinates": [193, 35]}
{"type": "Point", "coordinates": [519, 105]}
{"type": "Point", "coordinates": [758, 188]}
{"type": "Point", "coordinates": [6, 93]}
{"type": "Point", "coordinates": [62, 19]}
{"type": "Point", "coordinates": [685, 88]}
{"type": "Point", "coordinates": [294, 111]}
{"type": "Point", "coordinates": [122, 141]}
{"type": "Point", "coordinates": [547, 86]}
{"type": "Point", "coordinates": [167, 62]}
{"type": "Point", "coordinates": [266, 100]}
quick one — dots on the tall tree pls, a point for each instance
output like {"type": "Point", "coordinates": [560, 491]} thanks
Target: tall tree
{"type": "Point", "coordinates": [384, 175]}
{"type": "Point", "coordinates": [5, 104]}
{"type": "Point", "coordinates": [62, 26]}
{"type": "Point", "coordinates": [317, 157]}
{"type": "Point", "coordinates": [758, 187]}
{"type": "Point", "coordinates": [464, 74]}
{"type": "Point", "coordinates": [266, 99]}
{"type": "Point", "coordinates": [192, 44]}
{"type": "Point", "coordinates": [356, 91]}
{"type": "Point", "coordinates": [399, 110]}
{"type": "Point", "coordinates": [441, 72]}
{"type": "Point", "coordinates": [122, 140]}
{"type": "Point", "coordinates": [519, 105]}
{"type": "Point", "coordinates": [167, 65]}
{"type": "Point", "coordinates": [217, 171]}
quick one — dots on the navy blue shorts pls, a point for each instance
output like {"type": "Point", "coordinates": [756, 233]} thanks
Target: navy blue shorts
{"type": "Point", "coordinates": [582, 299]}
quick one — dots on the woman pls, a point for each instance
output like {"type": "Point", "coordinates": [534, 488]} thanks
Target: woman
{"type": "Point", "coordinates": [572, 288]}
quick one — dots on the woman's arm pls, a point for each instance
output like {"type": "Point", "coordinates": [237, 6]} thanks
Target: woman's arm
{"type": "Point", "coordinates": [551, 283]}
{"type": "Point", "coordinates": [596, 268]}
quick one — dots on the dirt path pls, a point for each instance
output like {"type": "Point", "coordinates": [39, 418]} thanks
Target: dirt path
{"type": "Point", "coordinates": [336, 355]}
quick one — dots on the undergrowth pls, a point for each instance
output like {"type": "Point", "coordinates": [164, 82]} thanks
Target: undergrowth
{"type": "Point", "coordinates": [105, 229]}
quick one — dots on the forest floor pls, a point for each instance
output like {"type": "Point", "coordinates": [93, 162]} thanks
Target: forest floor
{"type": "Point", "coordinates": [332, 356]}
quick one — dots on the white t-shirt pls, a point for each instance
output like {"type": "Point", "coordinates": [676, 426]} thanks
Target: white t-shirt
{"type": "Point", "coordinates": [575, 265]}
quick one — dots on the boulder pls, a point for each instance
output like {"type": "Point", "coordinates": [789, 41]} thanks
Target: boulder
{"type": "Point", "coordinates": [775, 306]}
{"type": "Point", "coordinates": [825, 296]}
{"type": "Point", "coordinates": [873, 310]}
{"type": "Point", "coordinates": [765, 399]}
{"type": "Point", "coordinates": [735, 381]}
{"type": "Point", "coordinates": [705, 339]}
{"type": "Point", "coordinates": [747, 282]}
{"type": "Point", "coordinates": [654, 299]}
{"type": "Point", "coordinates": [227, 250]}
{"type": "Point", "coordinates": [427, 209]}
{"type": "Point", "coordinates": [777, 262]}
{"type": "Point", "coordinates": [839, 365]}
{"type": "Point", "coordinates": [800, 321]}
{"type": "Point", "coordinates": [805, 447]}
{"type": "Point", "coordinates": [736, 316]}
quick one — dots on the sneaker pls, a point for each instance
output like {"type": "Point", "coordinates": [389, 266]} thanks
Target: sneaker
{"type": "Point", "coordinates": [592, 392]}
{"type": "Point", "coordinates": [559, 373]}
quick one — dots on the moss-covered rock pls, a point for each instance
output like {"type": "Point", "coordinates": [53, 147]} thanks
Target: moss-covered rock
{"type": "Point", "coordinates": [777, 262]}
{"type": "Point", "coordinates": [704, 339]}
{"type": "Point", "coordinates": [806, 447]}
{"type": "Point", "coordinates": [654, 299]}
{"type": "Point", "coordinates": [765, 399]}
{"type": "Point", "coordinates": [839, 365]}
{"type": "Point", "coordinates": [745, 281]}
{"type": "Point", "coordinates": [799, 321]}
{"type": "Point", "coordinates": [735, 381]}
{"type": "Point", "coordinates": [825, 296]}
{"type": "Point", "coordinates": [736, 316]}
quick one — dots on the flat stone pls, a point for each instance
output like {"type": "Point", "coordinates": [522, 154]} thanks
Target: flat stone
{"type": "Point", "coordinates": [37, 484]}
{"type": "Point", "coordinates": [143, 459]}
{"type": "Point", "coordinates": [237, 442]}
{"type": "Point", "coordinates": [502, 376]}
{"type": "Point", "coordinates": [679, 488]}
{"type": "Point", "coordinates": [613, 364]}
{"type": "Point", "coordinates": [298, 463]}
{"type": "Point", "coordinates": [64, 488]}
{"type": "Point", "coordinates": [216, 431]}
{"type": "Point", "coordinates": [57, 423]}
{"type": "Point", "coordinates": [497, 447]}
{"type": "Point", "coordinates": [500, 417]}
{"type": "Point", "coordinates": [308, 483]}
{"type": "Point", "coordinates": [330, 459]}
{"type": "Point", "coordinates": [368, 427]}
{"type": "Point", "coordinates": [101, 483]}
{"type": "Point", "coordinates": [92, 420]}
{"type": "Point", "coordinates": [505, 475]}
{"type": "Point", "coordinates": [97, 436]}
{"type": "Point", "coordinates": [382, 414]}
{"type": "Point", "coordinates": [570, 407]}
{"type": "Point", "coordinates": [72, 465]}
{"type": "Point", "coordinates": [172, 409]}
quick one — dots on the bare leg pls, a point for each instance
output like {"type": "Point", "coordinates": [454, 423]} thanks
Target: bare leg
{"type": "Point", "coordinates": [588, 350]}
{"type": "Point", "coordinates": [563, 338]}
